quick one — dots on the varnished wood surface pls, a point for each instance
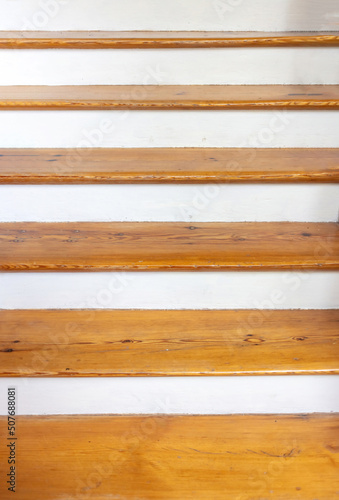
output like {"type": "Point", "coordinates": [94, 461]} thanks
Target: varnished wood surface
{"type": "Point", "coordinates": [156, 246]}
{"type": "Point", "coordinates": [170, 97]}
{"type": "Point", "coordinates": [154, 457]}
{"type": "Point", "coordinates": [161, 39]}
{"type": "Point", "coordinates": [152, 165]}
{"type": "Point", "coordinates": [83, 343]}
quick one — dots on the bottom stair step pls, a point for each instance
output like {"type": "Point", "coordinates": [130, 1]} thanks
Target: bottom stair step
{"type": "Point", "coordinates": [149, 342]}
{"type": "Point", "coordinates": [243, 457]}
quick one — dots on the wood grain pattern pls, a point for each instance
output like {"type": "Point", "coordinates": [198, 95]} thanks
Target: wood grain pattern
{"type": "Point", "coordinates": [82, 343]}
{"type": "Point", "coordinates": [155, 246]}
{"type": "Point", "coordinates": [201, 97]}
{"type": "Point", "coordinates": [162, 39]}
{"type": "Point", "coordinates": [162, 165]}
{"type": "Point", "coordinates": [153, 457]}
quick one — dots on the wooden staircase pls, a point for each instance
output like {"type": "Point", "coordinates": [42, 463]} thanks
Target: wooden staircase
{"type": "Point", "coordinates": [238, 457]}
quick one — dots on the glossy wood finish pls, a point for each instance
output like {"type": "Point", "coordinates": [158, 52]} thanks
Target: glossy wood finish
{"type": "Point", "coordinates": [218, 97]}
{"type": "Point", "coordinates": [83, 343]}
{"type": "Point", "coordinates": [162, 39]}
{"type": "Point", "coordinates": [162, 165]}
{"type": "Point", "coordinates": [153, 457]}
{"type": "Point", "coordinates": [156, 246]}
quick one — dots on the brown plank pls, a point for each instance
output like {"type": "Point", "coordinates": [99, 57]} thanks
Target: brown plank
{"type": "Point", "coordinates": [154, 457]}
{"type": "Point", "coordinates": [161, 165]}
{"type": "Point", "coordinates": [216, 97]}
{"type": "Point", "coordinates": [90, 343]}
{"type": "Point", "coordinates": [156, 246]}
{"type": "Point", "coordinates": [162, 39]}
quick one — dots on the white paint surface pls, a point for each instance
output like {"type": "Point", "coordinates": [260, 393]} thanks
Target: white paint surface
{"type": "Point", "coordinates": [170, 290]}
{"type": "Point", "coordinates": [192, 395]}
{"type": "Point", "coordinates": [246, 15]}
{"type": "Point", "coordinates": [173, 202]}
{"type": "Point", "coordinates": [83, 129]}
{"type": "Point", "coordinates": [231, 66]}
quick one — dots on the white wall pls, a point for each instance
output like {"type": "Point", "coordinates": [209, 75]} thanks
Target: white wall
{"type": "Point", "coordinates": [83, 129]}
{"type": "Point", "coordinates": [199, 203]}
{"type": "Point", "coordinates": [231, 66]}
{"type": "Point", "coordinates": [200, 395]}
{"type": "Point", "coordinates": [170, 290]}
{"type": "Point", "coordinates": [241, 15]}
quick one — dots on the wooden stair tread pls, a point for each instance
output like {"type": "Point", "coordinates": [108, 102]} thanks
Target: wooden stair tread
{"type": "Point", "coordinates": [161, 39]}
{"type": "Point", "coordinates": [175, 457]}
{"type": "Point", "coordinates": [83, 343]}
{"type": "Point", "coordinates": [155, 246]}
{"type": "Point", "coordinates": [148, 165]}
{"type": "Point", "coordinates": [170, 97]}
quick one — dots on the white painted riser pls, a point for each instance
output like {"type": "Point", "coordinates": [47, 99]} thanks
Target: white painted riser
{"type": "Point", "coordinates": [174, 202]}
{"type": "Point", "coordinates": [197, 395]}
{"type": "Point", "coordinates": [242, 15]}
{"type": "Point", "coordinates": [170, 290]}
{"type": "Point", "coordinates": [83, 129]}
{"type": "Point", "coordinates": [229, 66]}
